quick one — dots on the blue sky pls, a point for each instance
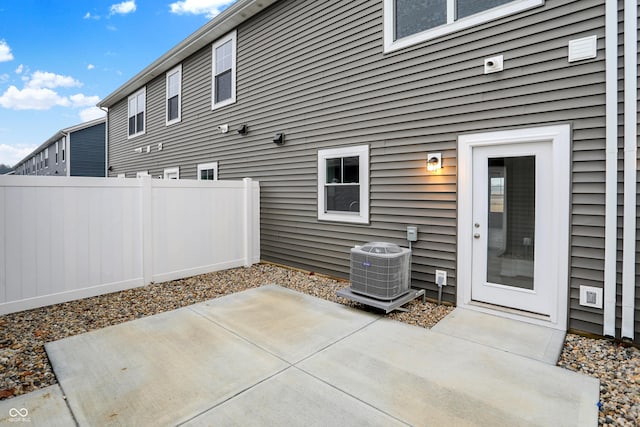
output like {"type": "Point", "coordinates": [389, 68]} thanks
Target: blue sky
{"type": "Point", "coordinates": [58, 58]}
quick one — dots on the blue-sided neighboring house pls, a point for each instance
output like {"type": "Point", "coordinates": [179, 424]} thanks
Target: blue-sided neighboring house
{"type": "Point", "coordinates": [74, 151]}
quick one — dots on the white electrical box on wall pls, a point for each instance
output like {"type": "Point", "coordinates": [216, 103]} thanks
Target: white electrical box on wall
{"type": "Point", "coordinates": [412, 233]}
{"type": "Point", "coordinates": [441, 278]}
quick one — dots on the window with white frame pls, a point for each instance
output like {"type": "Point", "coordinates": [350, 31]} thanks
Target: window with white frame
{"type": "Point", "coordinates": [63, 142]}
{"type": "Point", "coordinates": [343, 184]}
{"type": "Point", "coordinates": [174, 95]}
{"type": "Point", "coordinates": [208, 171]}
{"type": "Point", "coordinates": [57, 149]}
{"type": "Point", "coordinates": [407, 22]}
{"type": "Point", "coordinates": [42, 160]}
{"type": "Point", "coordinates": [172, 173]}
{"type": "Point", "coordinates": [46, 157]}
{"type": "Point", "coordinates": [136, 114]}
{"type": "Point", "coordinates": [224, 71]}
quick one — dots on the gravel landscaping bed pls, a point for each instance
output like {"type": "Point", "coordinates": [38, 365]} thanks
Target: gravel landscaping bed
{"type": "Point", "coordinates": [24, 366]}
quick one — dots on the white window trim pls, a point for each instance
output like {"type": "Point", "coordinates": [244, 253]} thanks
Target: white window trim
{"type": "Point", "coordinates": [176, 70]}
{"type": "Point", "coordinates": [205, 166]}
{"type": "Point", "coordinates": [362, 217]}
{"type": "Point", "coordinates": [57, 151]}
{"type": "Point", "coordinates": [46, 158]}
{"type": "Point", "coordinates": [64, 148]}
{"type": "Point", "coordinates": [451, 26]}
{"type": "Point", "coordinates": [233, 37]}
{"type": "Point", "coordinates": [168, 171]}
{"type": "Point", "coordinates": [144, 117]}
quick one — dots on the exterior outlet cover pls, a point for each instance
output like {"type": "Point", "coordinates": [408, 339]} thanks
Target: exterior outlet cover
{"type": "Point", "coordinates": [494, 64]}
{"type": "Point", "coordinates": [159, 146]}
{"type": "Point", "coordinates": [590, 296]}
{"type": "Point", "coordinates": [441, 278]}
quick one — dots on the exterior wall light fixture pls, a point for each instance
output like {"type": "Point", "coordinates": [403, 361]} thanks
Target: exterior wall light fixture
{"type": "Point", "coordinates": [434, 162]}
{"type": "Point", "coordinates": [278, 139]}
{"type": "Point", "coordinates": [243, 130]}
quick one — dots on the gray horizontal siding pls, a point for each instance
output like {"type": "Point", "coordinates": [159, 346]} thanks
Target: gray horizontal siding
{"type": "Point", "coordinates": [323, 80]}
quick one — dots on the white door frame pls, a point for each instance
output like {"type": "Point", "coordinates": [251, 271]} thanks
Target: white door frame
{"type": "Point", "coordinates": [559, 165]}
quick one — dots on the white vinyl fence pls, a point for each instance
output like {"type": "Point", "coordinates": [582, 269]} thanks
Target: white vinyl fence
{"type": "Point", "coordinates": [67, 238]}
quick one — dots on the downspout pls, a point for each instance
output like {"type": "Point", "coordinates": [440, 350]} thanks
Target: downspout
{"type": "Point", "coordinates": [630, 165]}
{"type": "Point", "coordinates": [106, 141]}
{"type": "Point", "coordinates": [611, 167]}
{"type": "Point", "coordinates": [67, 149]}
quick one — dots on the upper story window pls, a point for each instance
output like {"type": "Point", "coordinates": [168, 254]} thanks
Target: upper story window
{"type": "Point", "coordinates": [224, 71]}
{"type": "Point", "coordinates": [407, 22]}
{"type": "Point", "coordinates": [57, 149]}
{"type": "Point", "coordinates": [63, 142]}
{"type": "Point", "coordinates": [174, 95]}
{"type": "Point", "coordinates": [136, 113]}
{"type": "Point", "coordinates": [343, 184]}
{"type": "Point", "coordinates": [46, 157]}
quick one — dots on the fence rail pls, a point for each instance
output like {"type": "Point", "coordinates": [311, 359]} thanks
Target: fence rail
{"type": "Point", "coordinates": [67, 238]}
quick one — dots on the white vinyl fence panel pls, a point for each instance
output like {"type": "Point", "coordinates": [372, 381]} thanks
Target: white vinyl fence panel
{"type": "Point", "coordinates": [67, 238]}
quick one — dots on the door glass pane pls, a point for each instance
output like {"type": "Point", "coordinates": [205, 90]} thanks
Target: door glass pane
{"type": "Point", "coordinates": [511, 221]}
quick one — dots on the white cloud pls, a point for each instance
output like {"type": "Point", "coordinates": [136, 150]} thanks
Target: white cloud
{"type": "Point", "coordinates": [44, 79]}
{"type": "Point", "coordinates": [10, 155]}
{"type": "Point", "coordinates": [38, 93]}
{"type": "Point", "coordinates": [88, 15]}
{"type": "Point", "coordinates": [19, 69]}
{"type": "Point", "coordinates": [4, 78]}
{"type": "Point", "coordinates": [210, 8]}
{"type": "Point", "coordinates": [123, 8]}
{"type": "Point", "coordinates": [91, 114]}
{"type": "Point", "coordinates": [82, 100]}
{"type": "Point", "coordinates": [90, 67]}
{"type": "Point", "coordinates": [5, 52]}
{"type": "Point", "coordinates": [32, 99]}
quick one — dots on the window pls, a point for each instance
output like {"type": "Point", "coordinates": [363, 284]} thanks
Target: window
{"type": "Point", "coordinates": [343, 184]}
{"type": "Point", "coordinates": [407, 22]}
{"type": "Point", "coordinates": [136, 113]}
{"type": "Point", "coordinates": [172, 173]}
{"type": "Point", "coordinates": [64, 145]}
{"type": "Point", "coordinates": [46, 157]}
{"type": "Point", "coordinates": [174, 95]}
{"type": "Point", "coordinates": [57, 148]}
{"type": "Point", "coordinates": [224, 71]}
{"type": "Point", "coordinates": [208, 171]}
{"type": "Point", "coordinates": [42, 160]}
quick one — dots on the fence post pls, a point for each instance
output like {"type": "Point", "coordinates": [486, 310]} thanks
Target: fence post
{"type": "Point", "coordinates": [248, 220]}
{"type": "Point", "coordinates": [147, 230]}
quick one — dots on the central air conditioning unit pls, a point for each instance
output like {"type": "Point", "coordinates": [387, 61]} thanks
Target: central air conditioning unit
{"type": "Point", "coordinates": [380, 270]}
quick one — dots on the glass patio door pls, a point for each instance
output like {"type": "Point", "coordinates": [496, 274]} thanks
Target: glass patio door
{"type": "Point", "coordinates": [512, 247]}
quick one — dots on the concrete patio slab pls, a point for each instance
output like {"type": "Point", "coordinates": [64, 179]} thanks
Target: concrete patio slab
{"type": "Point", "coordinates": [287, 323]}
{"type": "Point", "coordinates": [534, 341]}
{"type": "Point", "coordinates": [45, 407]}
{"type": "Point", "coordinates": [272, 356]}
{"type": "Point", "coordinates": [427, 378]}
{"type": "Point", "coordinates": [294, 398]}
{"type": "Point", "coordinates": [160, 370]}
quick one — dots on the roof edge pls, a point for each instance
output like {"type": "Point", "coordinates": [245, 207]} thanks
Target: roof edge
{"type": "Point", "coordinates": [225, 22]}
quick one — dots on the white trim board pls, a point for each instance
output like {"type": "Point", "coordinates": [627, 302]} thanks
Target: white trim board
{"type": "Point", "coordinates": [560, 136]}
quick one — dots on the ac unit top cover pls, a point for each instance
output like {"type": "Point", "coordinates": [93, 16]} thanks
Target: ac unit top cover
{"type": "Point", "coordinates": [381, 249]}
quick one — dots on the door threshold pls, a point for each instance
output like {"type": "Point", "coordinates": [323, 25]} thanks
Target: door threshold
{"type": "Point", "coordinates": [511, 310]}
